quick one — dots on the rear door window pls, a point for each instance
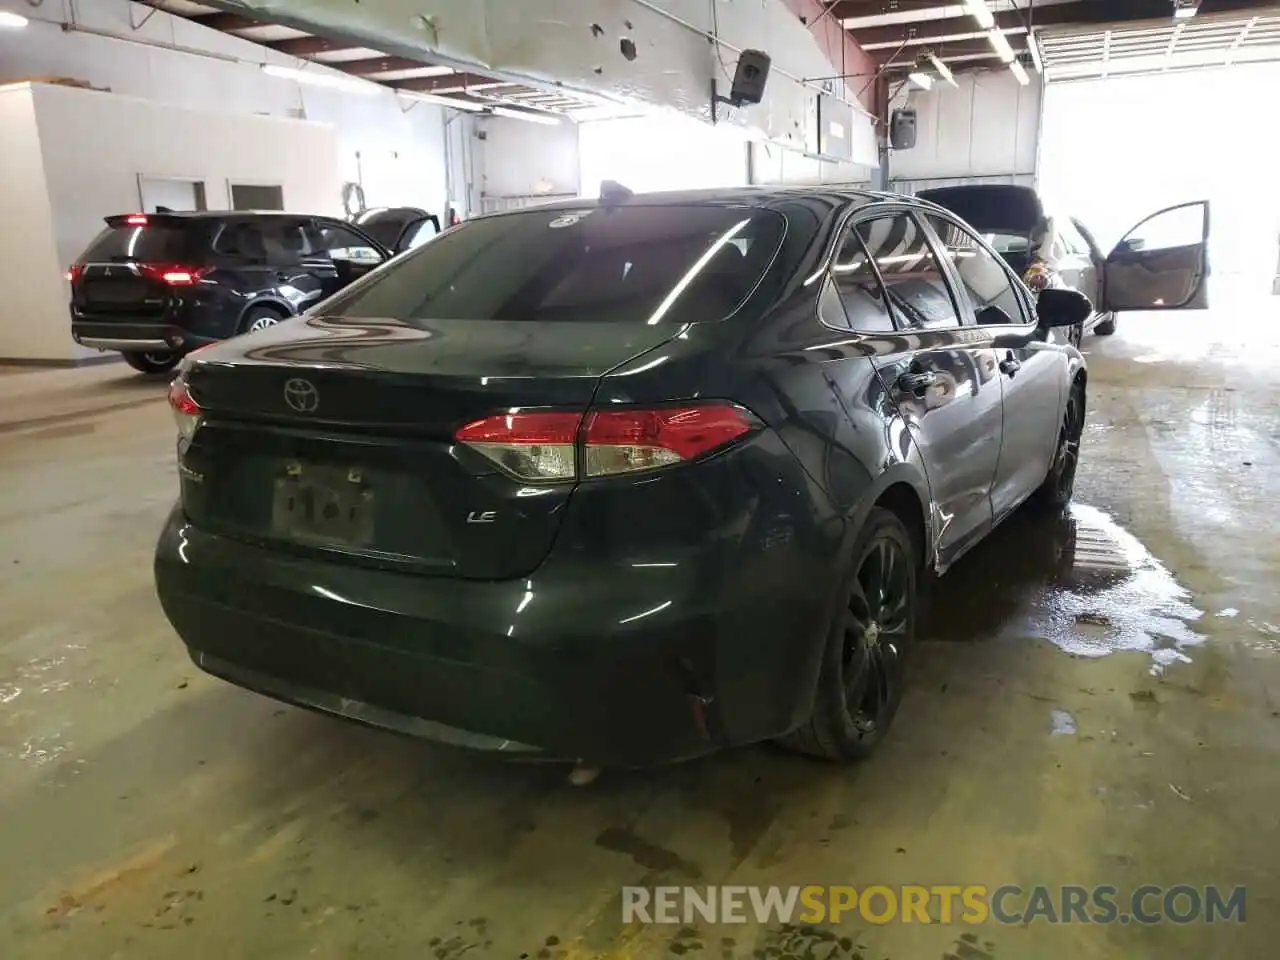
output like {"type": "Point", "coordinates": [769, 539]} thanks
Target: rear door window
{"type": "Point", "coordinates": [640, 264]}
{"type": "Point", "coordinates": [913, 277]}
{"type": "Point", "coordinates": [153, 243]}
{"type": "Point", "coordinates": [266, 240]}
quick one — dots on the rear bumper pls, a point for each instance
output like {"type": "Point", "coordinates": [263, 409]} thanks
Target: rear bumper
{"type": "Point", "coordinates": [127, 335]}
{"type": "Point", "coordinates": [621, 669]}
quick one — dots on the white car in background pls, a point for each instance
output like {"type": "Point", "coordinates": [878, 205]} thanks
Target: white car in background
{"type": "Point", "coordinates": [1056, 250]}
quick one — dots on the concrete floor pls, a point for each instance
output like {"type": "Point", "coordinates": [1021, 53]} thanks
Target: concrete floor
{"type": "Point", "coordinates": [149, 811]}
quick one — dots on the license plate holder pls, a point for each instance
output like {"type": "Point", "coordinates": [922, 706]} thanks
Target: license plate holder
{"type": "Point", "coordinates": [322, 504]}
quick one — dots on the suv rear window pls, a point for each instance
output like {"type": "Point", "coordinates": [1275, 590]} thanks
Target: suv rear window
{"type": "Point", "coordinates": [267, 239]}
{"type": "Point", "coordinates": [153, 243]}
{"type": "Point", "coordinates": [637, 264]}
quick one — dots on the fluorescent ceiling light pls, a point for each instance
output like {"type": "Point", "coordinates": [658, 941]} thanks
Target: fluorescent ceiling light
{"type": "Point", "coordinates": [1020, 72]}
{"type": "Point", "coordinates": [16, 21]}
{"type": "Point", "coordinates": [921, 80]}
{"type": "Point", "coordinates": [450, 102]}
{"type": "Point", "coordinates": [1000, 44]}
{"type": "Point", "coordinates": [319, 78]}
{"type": "Point", "coordinates": [979, 11]}
{"type": "Point", "coordinates": [1181, 11]}
{"type": "Point", "coordinates": [544, 118]}
{"type": "Point", "coordinates": [944, 72]}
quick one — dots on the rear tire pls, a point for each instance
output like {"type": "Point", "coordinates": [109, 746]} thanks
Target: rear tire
{"type": "Point", "coordinates": [860, 681]}
{"type": "Point", "coordinates": [1107, 327]}
{"type": "Point", "coordinates": [259, 318]}
{"type": "Point", "coordinates": [153, 364]}
{"type": "Point", "coordinates": [1059, 484]}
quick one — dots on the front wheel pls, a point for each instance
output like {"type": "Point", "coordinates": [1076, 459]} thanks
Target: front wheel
{"type": "Point", "coordinates": [861, 678]}
{"type": "Point", "coordinates": [152, 363]}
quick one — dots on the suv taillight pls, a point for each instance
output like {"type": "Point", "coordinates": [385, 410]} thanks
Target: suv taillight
{"type": "Point", "coordinates": [73, 273]}
{"type": "Point", "coordinates": [186, 412]}
{"type": "Point", "coordinates": [543, 446]}
{"type": "Point", "coordinates": [174, 274]}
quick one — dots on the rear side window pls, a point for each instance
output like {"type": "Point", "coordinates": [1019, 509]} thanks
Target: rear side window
{"type": "Point", "coordinates": [860, 292]}
{"type": "Point", "coordinates": [641, 264]}
{"type": "Point", "coordinates": [913, 279]}
{"type": "Point", "coordinates": [267, 240]}
{"type": "Point", "coordinates": [153, 243]}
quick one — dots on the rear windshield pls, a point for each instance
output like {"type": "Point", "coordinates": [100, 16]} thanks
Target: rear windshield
{"type": "Point", "coordinates": [1008, 242]}
{"type": "Point", "coordinates": [638, 264]}
{"type": "Point", "coordinates": [153, 243]}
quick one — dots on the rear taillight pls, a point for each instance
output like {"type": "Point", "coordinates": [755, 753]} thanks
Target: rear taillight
{"type": "Point", "coordinates": [73, 272]}
{"type": "Point", "coordinates": [174, 274]}
{"type": "Point", "coordinates": [544, 446]}
{"type": "Point", "coordinates": [186, 412]}
{"type": "Point", "coordinates": [531, 446]}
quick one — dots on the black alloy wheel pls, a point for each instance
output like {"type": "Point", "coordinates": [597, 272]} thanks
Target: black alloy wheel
{"type": "Point", "coordinates": [860, 683]}
{"type": "Point", "coordinates": [876, 623]}
{"type": "Point", "coordinates": [1059, 485]}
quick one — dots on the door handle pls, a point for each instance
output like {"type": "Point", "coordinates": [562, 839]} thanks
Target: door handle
{"type": "Point", "coordinates": [916, 382]}
{"type": "Point", "coordinates": [1009, 365]}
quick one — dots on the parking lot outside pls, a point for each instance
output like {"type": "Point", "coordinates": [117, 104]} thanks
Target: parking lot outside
{"type": "Point", "coordinates": [1094, 705]}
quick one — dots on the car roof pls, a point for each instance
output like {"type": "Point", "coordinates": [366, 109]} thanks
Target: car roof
{"type": "Point", "coordinates": [179, 215]}
{"type": "Point", "coordinates": [764, 197]}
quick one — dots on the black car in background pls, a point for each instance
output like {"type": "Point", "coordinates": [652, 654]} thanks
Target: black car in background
{"type": "Point", "coordinates": [155, 286]}
{"type": "Point", "coordinates": [622, 482]}
{"type": "Point", "coordinates": [1052, 249]}
{"type": "Point", "coordinates": [399, 228]}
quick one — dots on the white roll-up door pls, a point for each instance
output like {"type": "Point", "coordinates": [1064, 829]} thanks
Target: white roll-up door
{"type": "Point", "coordinates": [1159, 46]}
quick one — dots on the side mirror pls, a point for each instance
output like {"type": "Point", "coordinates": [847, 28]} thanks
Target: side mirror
{"type": "Point", "coordinates": [1130, 245]}
{"type": "Point", "coordinates": [1059, 307]}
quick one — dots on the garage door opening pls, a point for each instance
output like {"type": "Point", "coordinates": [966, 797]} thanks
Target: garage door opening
{"type": "Point", "coordinates": [660, 153]}
{"type": "Point", "coordinates": [1115, 149]}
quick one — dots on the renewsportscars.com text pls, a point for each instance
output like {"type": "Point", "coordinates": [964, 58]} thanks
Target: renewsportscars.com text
{"type": "Point", "coordinates": [972, 904]}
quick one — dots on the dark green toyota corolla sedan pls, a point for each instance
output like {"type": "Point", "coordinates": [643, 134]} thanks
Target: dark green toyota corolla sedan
{"type": "Point", "coordinates": [624, 481]}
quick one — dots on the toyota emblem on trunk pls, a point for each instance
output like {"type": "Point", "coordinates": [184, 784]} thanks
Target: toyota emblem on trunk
{"type": "Point", "coordinates": [301, 395]}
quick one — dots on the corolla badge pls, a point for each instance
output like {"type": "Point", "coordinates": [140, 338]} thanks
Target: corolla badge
{"type": "Point", "coordinates": [301, 395]}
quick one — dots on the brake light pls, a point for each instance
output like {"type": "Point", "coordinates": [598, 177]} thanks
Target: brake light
{"type": "Point", "coordinates": [186, 412]}
{"type": "Point", "coordinates": [74, 271]}
{"type": "Point", "coordinates": [136, 220]}
{"type": "Point", "coordinates": [174, 274]}
{"type": "Point", "coordinates": [544, 446]}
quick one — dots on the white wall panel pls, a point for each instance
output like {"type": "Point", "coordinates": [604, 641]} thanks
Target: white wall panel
{"type": "Point", "coordinates": [986, 127]}
{"type": "Point", "coordinates": [395, 148]}
{"type": "Point", "coordinates": [526, 159]}
{"type": "Point", "coordinates": [773, 165]}
{"type": "Point", "coordinates": [33, 310]}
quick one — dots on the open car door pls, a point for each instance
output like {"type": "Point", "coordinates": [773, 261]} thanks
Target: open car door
{"type": "Point", "coordinates": [1161, 264]}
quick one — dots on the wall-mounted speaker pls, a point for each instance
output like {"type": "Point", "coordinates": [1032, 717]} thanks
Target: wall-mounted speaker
{"type": "Point", "coordinates": [902, 129]}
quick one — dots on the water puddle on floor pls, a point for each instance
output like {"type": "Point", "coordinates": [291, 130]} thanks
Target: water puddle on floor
{"type": "Point", "coordinates": [1079, 581]}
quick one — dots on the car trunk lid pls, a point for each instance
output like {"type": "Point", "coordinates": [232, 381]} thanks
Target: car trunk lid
{"type": "Point", "coordinates": [336, 435]}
